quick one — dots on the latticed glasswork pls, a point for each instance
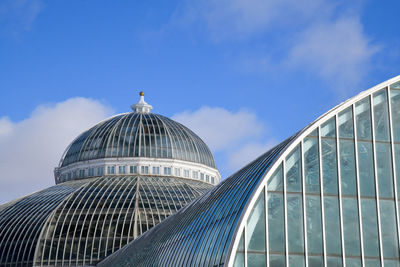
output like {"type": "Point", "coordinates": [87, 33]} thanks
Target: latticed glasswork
{"type": "Point", "coordinates": [138, 135]}
{"type": "Point", "coordinates": [81, 222]}
{"type": "Point", "coordinates": [327, 196]}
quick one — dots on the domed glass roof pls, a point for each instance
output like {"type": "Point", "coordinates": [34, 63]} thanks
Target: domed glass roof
{"type": "Point", "coordinates": [138, 134]}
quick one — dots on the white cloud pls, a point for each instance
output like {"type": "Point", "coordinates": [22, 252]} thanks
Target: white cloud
{"type": "Point", "coordinates": [220, 128]}
{"type": "Point", "coordinates": [33, 147]}
{"type": "Point", "coordinates": [247, 153]}
{"type": "Point", "coordinates": [338, 51]}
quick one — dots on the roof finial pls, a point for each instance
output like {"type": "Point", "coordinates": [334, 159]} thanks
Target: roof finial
{"type": "Point", "coordinates": [141, 106]}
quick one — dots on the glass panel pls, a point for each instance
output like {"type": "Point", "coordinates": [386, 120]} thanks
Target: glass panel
{"type": "Point", "coordinates": [329, 166]}
{"type": "Point", "coordinates": [328, 129]}
{"type": "Point", "coordinates": [239, 260]}
{"type": "Point", "coordinates": [296, 260]}
{"type": "Point", "coordinates": [350, 223]}
{"type": "Point", "coordinates": [333, 243]}
{"type": "Point", "coordinates": [334, 261]}
{"type": "Point", "coordinates": [363, 119]}
{"type": "Point", "coordinates": [370, 228]}
{"type": "Point", "coordinates": [353, 262]}
{"type": "Point", "coordinates": [345, 121]}
{"type": "Point", "coordinates": [314, 225]}
{"type": "Point", "coordinates": [395, 85]}
{"type": "Point", "coordinates": [311, 164]}
{"type": "Point", "coordinates": [256, 226]}
{"type": "Point", "coordinates": [372, 263]}
{"type": "Point", "coordinates": [276, 230]}
{"type": "Point", "coordinates": [395, 103]}
{"type": "Point", "coordinates": [315, 261]}
{"type": "Point", "coordinates": [347, 167]}
{"type": "Point", "coordinates": [389, 229]}
{"type": "Point", "coordinates": [391, 263]}
{"type": "Point", "coordinates": [295, 223]}
{"type": "Point", "coordinates": [275, 183]}
{"type": "Point", "coordinates": [397, 161]}
{"type": "Point", "coordinates": [241, 242]}
{"type": "Point", "coordinates": [381, 120]}
{"type": "Point", "coordinates": [293, 171]}
{"type": "Point", "coordinates": [384, 166]}
{"type": "Point", "coordinates": [256, 260]}
{"type": "Point", "coordinates": [277, 260]}
{"type": "Point", "coordinates": [366, 168]}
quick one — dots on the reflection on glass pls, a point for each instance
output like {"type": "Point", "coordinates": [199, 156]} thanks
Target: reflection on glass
{"type": "Point", "coordinates": [293, 171]}
{"type": "Point", "coordinates": [345, 121]}
{"type": "Point", "coordinates": [315, 261]}
{"type": "Point", "coordinates": [328, 129]}
{"type": "Point", "coordinates": [333, 243]}
{"type": "Point", "coordinates": [277, 260]}
{"type": "Point", "coordinates": [329, 166]}
{"type": "Point", "coordinates": [363, 119]}
{"type": "Point", "coordinates": [275, 183]}
{"type": "Point", "coordinates": [239, 260]}
{"type": "Point", "coordinates": [389, 229]}
{"type": "Point", "coordinates": [255, 230]}
{"type": "Point", "coordinates": [395, 104]}
{"type": "Point", "coordinates": [276, 230]}
{"type": "Point", "coordinates": [314, 225]}
{"type": "Point", "coordinates": [256, 260]}
{"type": "Point", "coordinates": [384, 168]}
{"type": "Point", "coordinates": [311, 165]}
{"type": "Point", "coordinates": [296, 260]}
{"type": "Point", "coordinates": [295, 223]}
{"type": "Point", "coordinates": [366, 168]}
{"type": "Point", "coordinates": [334, 261]}
{"type": "Point", "coordinates": [381, 120]}
{"type": "Point", "coordinates": [353, 262]}
{"type": "Point", "coordinates": [372, 263]}
{"type": "Point", "coordinates": [347, 167]}
{"type": "Point", "coordinates": [351, 232]}
{"type": "Point", "coordinates": [370, 228]}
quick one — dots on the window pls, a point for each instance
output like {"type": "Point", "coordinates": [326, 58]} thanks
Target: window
{"type": "Point", "coordinates": [213, 179]}
{"type": "Point", "coordinates": [208, 178]}
{"type": "Point", "coordinates": [186, 173]}
{"type": "Point", "coordinates": [156, 170]}
{"type": "Point", "coordinates": [121, 170]}
{"type": "Point", "coordinates": [81, 173]}
{"type": "Point", "coordinates": [74, 174]}
{"type": "Point", "coordinates": [195, 175]}
{"type": "Point", "coordinates": [110, 169]}
{"type": "Point", "coordinates": [145, 169]}
{"type": "Point", "coordinates": [91, 171]}
{"type": "Point", "coordinates": [133, 169]}
{"type": "Point", "coordinates": [177, 172]}
{"type": "Point", "coordinates": [202, 176]}
{"type": "Point", "coordinates": [100, 171]}
{"type": "Point", "coordinates": [167, 170]}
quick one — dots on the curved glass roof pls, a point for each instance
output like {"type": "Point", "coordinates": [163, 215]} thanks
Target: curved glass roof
{"type": "Point", "coordinates": [209, 231]}
{"type": "Point", "coordinates": [81, 222]}
{"type": "Point", "coordinates": [138, 135]}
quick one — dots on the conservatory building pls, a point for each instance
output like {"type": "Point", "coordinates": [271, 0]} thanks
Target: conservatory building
{"type": "Point", "coordinates": [326, 196]}
{"type": "Point", "coordinates": [114, 182]}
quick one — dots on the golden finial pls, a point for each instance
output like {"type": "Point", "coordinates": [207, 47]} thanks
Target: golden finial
{"type": "Point", "coordinates": [141, 93]}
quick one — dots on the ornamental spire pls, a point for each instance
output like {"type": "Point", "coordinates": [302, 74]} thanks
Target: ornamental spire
{"type": "Point", "coordinates": [141, 106]}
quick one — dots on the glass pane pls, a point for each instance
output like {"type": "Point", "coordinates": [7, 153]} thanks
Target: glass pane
{"type": "Point", "coordinates": [363, 119]}
{"type": "Point", "coordinates": [366, 168]}
{"type": "Point", "coordinates": [256, 260]}
{"type": "Point", "coordinates": [295, 223]}
{"type": "Point", "coordinates": [329, 166]}
{"type": "Point", "coordinates": [345, 121]}
{"type": "Point", "coordinates": [370, 228]}
{"type": "Point", "coordinates": [391, 263]}
{"type": "Point", "coordinates": [397, 161]}
{"type": "Point", "coordinates": [239, 260]}
{"type": "Point", "coordinates": [256, 226]}
{"type": "Point", "coordinates": [276, 230]}
{"type": "Point", "coordinates": [381, 120]}
{"type": "Point", "coordinates": [395, 103]}
{"type": "Point", "coordinates": [315, 261]}
{"type": "Point", "coordinates": [314, 225]}
{"type": "Point", "coordinates": [311, 164]}
{"type": "Point", "coordinates": [275, 183]}
{"type": "Point", "coordinates": [350, 224]}
{"type": "Point", "coordinates": [296, 260]}
{"type": "Point", "coordinates": [384, 167]}
{"type": "Point", "coordinates": [352, 262]}
{"type": "Point", "coordinates": [347, 167]}
{"type": "Point", "coordinates": [389, 229]}
{"type": "Point", "coordinates": [293, 171]}
{"type": "Point", "coordinates": [241, 242]}
{"type": "Point", "coordinates": [372, 262]}
{"type": "Point", "coordinates": [328, 129]}
{"type": "Point", "coordinates": [277, 260]}
{"type": "Point", "coordinates": [332, 225]}
{"type": "Point", "coordinates": [334, 261]}
{"type": "Point", "coordinates": [395, 85]}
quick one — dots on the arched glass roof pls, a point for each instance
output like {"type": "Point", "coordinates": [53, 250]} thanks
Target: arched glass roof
{"type": "Point", "coordinates": [138, 135]}
{"type": "Point", "coordinates": [330, 194]}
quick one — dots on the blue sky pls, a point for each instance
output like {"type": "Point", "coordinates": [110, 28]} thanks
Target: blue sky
{"type": "Point", "coordinates": [243, 74]}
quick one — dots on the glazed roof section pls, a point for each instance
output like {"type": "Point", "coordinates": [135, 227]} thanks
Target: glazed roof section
{"type": "Point", "coordinates": [138, 135]}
